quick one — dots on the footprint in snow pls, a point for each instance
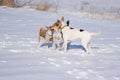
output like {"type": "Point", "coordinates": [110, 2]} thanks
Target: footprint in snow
{"type": "Point", "coordinates": [19, 20]}
{"type": "Point", "coordinates": [24, 24]}
{"type": "Point", "coordinates": [77, 63]}
{"type": "Point", "coordinates": [30, 20]}
{"type": "Point", "coordinates": [101, 38]}
{"type": "Point", "coordinates": [116, 78]}
{"type": "Point", "coordinates": [66, 62]}
{"type": "Point", "coordinates": [118, 38]}
{"type": "Point", "coordinates": [69, 72]}
{"type": "Point", "coordinates": [91, 71]}
{"type": "Point", "coordinates": [6, 36]}
{"type": "Point", "coordinates": [15, 50]}
{"type": "Point", "coordinates": [54, 64]}
{"type": "Point", "coordinates": [3, 44]}
{"type": "Point", "coordinates": [113, 45]}
{"type": "Point", "coordinates": [42, 62]}
{"type": "Point", "coordinates": [100, 77]}
{"type": "Point", "coordinates": [105, 50]}
{"type": "Point", "coordinates": [51, 59]}
{"type": "Point", "coordinates": [3, 61]}
{"type": "Point", "coordinates": [78, 74]}
{"type": "Point", "coordinates": [4, 19]}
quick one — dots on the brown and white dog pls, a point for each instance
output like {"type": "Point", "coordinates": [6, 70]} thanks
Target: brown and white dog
{"type": "Point", "coordinates": [52, 33]}
{"type": "Point", "coordinates": [81, 34]}
{"type": "Point", "coordinates": [46, 34]}
{"type": "Point", "coordinates": [57, 34]}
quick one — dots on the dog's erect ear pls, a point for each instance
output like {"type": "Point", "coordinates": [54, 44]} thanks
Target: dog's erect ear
{"type": "Point", "coordinates": [68, 22]}
{"type": "Point", "coordinates": [62, 19]}
{"type": "Point", "coordinates": [58, 20]}
{"type": "Point", "coordinates": [56, 24]}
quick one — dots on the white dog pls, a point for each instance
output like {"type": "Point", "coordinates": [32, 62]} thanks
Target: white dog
{"type": "Point", "coordinates": [70, 34]}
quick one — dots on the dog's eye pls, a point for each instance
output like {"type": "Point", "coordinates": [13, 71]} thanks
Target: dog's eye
{"type": "Point", "coordinates": [57, 24]}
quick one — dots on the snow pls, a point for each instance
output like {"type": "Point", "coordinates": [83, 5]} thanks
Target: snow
{"type": "Point", "coordinates": [22, 59]}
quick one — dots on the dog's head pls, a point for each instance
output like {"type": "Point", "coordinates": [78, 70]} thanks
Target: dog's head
{"type": "Point", "coordinates": [59, 24]}
{"type": "Point", "coordinates": [62, 23]}
{"type": "Point", "coordinates": [56, 25]}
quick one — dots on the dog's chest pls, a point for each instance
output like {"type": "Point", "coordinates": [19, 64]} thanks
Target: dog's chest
{"type": "Point", "coordinates": [57, 35]}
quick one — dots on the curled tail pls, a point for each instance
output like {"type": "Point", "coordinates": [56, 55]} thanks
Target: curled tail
{"type": "Point", "coordinates": [95, 33]}
{"type": "Point", "coordinates": [41, 35]}
{"type": "Point", "coordinates": [42, 32]}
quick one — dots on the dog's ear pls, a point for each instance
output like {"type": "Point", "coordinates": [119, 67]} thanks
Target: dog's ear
{"type": "Point", "coordinates": [68, 22]}
{"type": "Point", "coordinates": [56, 24]}
{"type": "Point", "coordinates": [62, 19]}
{"type": "Point", "coordinates": [58, 20]}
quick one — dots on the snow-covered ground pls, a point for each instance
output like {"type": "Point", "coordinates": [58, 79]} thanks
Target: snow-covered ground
{"type": "Point", "coordinates": [75, 5]}
{"type": "Point", "coordinates": [21, 59]}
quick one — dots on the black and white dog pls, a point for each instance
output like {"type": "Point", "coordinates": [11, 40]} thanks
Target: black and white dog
{"type": "Point", "coordinates": [70, 34]}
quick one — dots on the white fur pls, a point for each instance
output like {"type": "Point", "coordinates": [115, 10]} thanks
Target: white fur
{"type": "Point", "coordinates": [72, 34]}
{"type": "Point", "coordinates": [57, 38]}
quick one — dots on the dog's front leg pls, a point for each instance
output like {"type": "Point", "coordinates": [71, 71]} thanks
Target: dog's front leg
{"type": "Point", "coordinates": [53, 44]}
{"type": "Point", "coordinates": [47, 42]}
{"type": "Point", "coordinates": [88, 46]}
{"type": "Point", "coordinates": [65, 46]}
{"type": "Point", "coordinates": [58, 43]}
{"type": "Point", "coordinates": [62, 47]}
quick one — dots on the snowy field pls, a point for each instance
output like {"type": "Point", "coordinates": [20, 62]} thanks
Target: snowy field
{"type": "Point", "coordinates": [21, 59]}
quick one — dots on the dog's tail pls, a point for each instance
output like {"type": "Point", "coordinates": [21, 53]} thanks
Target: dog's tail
{"type": "Point", "coordinates": [95, 33]}
{"type": "Point", "coordinates": [42, 32]}
{"type": "Point", "coordinates": [68, 22]}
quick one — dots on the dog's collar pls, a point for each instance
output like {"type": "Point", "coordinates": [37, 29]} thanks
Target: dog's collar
{"type": "Point", "coordinates": [63, 26]}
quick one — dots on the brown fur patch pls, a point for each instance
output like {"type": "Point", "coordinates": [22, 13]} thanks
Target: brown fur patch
{"type": "Point", "coordinates": [56, 25]}
{"type": "Point", "coordinates": [42, 32]}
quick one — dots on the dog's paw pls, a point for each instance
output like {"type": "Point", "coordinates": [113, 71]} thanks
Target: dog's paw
{"type": "Point", "coordinates": [53, 48]}
{"type": "Point", "coordinates": [60, 49]}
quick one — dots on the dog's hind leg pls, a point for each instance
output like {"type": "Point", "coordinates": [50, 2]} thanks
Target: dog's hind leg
{"type": "Point", "coordinates": [53, 44]}
{"type": "Point", "coordinates": [39, 39]}
{"type": "Point", "coordinates": [85, 45]}
{"type": "Point", "coordinates": [88, 46]}
{"type": "Point", "coordinates": [47, 42]}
